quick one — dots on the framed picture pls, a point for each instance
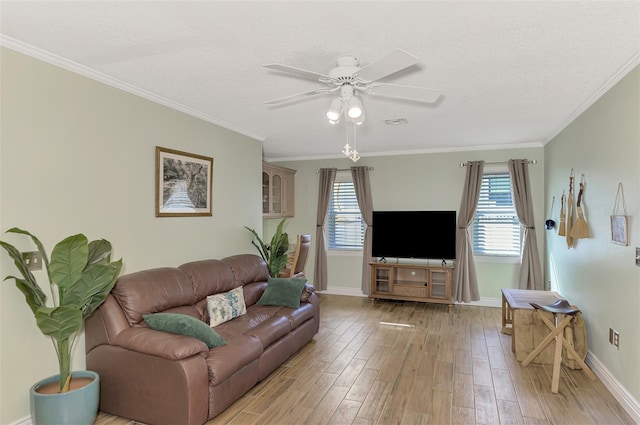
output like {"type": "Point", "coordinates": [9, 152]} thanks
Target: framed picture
{"type": "Point", "coordinates": [184, 184]}
{"type": "Point", "coordinates": [619, 231]}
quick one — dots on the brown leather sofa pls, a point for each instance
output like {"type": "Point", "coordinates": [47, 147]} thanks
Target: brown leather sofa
{"type": "Point", "coordinates": [163, 378]}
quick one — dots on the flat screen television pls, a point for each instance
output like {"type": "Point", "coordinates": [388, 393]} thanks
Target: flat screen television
{"type": "Point", "coordinates": [414, 234]}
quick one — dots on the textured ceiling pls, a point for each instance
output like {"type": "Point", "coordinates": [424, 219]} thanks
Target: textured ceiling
{"type": "Point", "coordinates": [512, 73]}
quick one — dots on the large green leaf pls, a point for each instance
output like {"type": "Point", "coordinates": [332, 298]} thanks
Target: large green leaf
{"type": "Point", "coordinates": [28, 284]}
{"type": "Point", "coordinates": [60, 323]}
{"type": "Point", "coordinates": [33, 295]}
{"type": "Point", "coordinates": [260, 246]}
{"type": "Point", "coordinates": [99, 252]}
{"type": "Point", "coordinates": [91, 289]}
{"type": "Point", "coordinates": [41, 250]}
{"type": "Point", "coordinates": [68, 260]}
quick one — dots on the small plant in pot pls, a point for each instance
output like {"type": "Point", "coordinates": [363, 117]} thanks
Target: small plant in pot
{"type": "Point", "coordinates": [274, 254]}
{"type": "Point", "coordinates": [81, 275]}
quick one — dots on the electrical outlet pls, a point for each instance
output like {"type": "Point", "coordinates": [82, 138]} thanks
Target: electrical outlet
{"type": "Point", "coordinates": [33, 259]}
{"type": "Point", "coordinates": [616, 339]}
{"type": "Point", "coordinates": [611, 336]}
{"type": "Point", "coordinates": [637, 256]}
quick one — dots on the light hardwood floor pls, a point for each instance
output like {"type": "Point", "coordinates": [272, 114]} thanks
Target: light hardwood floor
{"type": "Point", "coordinates": [364, 367]}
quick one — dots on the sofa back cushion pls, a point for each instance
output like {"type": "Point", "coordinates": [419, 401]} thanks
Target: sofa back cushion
{"type": "Point", "coordinates": [209, 277]}
{"type": "Point", "coordinates": [247, 268]}
{"type": "Point", "coordinates": [152, 291]}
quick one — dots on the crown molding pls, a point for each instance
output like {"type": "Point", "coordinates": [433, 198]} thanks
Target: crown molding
{"type": "Point", "coordinates": [622, 72]}
{"type": "Point", "coordinates": [85, 71]}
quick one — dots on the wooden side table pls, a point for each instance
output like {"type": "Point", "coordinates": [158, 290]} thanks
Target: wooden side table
{"type": "Point", "coordinates": [527, 330]}
{"type": "Point", "coordinates": [514, 299]}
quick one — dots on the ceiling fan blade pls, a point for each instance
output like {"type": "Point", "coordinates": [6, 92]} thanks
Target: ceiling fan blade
{"type": "Point", "coordinates": [300, 95]}
{"type": "Point", "coordinates": [296, 71]}
{"type": "Point", "coordinates": [418, 94]}
{"type": "Point", "coordinates": [390, 64]}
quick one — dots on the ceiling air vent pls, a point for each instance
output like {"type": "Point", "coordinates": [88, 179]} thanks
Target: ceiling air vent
{"type": "Point", "coordinates": [396, 121]}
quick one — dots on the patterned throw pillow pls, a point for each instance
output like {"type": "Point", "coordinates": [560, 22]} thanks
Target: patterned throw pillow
{"type": "Point", "coordinates": [224, 307]}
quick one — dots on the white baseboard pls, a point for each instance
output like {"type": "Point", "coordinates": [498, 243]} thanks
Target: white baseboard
{"type": "Point", "coordinates": [357, 292]}
{"type": "Point", "coordinates": [626, 400]}
{"type": "Point", "coordinates": [344, 290]}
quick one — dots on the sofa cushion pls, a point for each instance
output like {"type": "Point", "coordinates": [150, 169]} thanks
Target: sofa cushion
{"type": "Point", "coordinates": [297, 316]}
{"type": "Point", "coordinates": [152, 291]}
{"type": "Point", "coordinates": [224, 361]}
{"type": "Point", "coordinates": [226, 306]}
{"type": "Point", "coordinates": [209, 277]}
{"type": "Point", "coordinates": [184, 325]}
{"type": "Point", "coordinates": [283, 291]}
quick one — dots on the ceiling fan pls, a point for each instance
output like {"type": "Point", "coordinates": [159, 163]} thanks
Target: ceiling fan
{"type": "Point", "coordinates": [348, 79]}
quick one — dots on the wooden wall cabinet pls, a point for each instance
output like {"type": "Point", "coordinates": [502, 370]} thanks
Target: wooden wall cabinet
{"type": "Point", "coordinates": [412, 282]}
{"type": "Point", "coordinates": [277, 191]}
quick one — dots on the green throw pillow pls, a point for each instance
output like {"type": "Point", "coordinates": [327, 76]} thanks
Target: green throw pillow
{"type": "Point", "coordinates": [184, 325]}
{"type": "Point", "coordinates": [283, 291]}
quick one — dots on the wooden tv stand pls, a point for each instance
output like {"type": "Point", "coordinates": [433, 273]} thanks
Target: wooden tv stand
{"type": "Point", "coordinates": [412, 282]}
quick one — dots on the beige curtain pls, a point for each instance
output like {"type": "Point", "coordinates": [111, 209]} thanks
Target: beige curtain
{"type": "Point", "coordinates": [327, 176]}
{"type": "Point", "coordinates": [362, 187]}
{"type": "Point", "coordinates": [465, 281]}
{"type": "Point", "coordinates": [530, 270]}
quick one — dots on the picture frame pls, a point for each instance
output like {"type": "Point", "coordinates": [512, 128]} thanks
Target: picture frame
{"type": "Point", "coordinates": [184, 184]}
{"type": "Point", "coordinates": [619, 230]}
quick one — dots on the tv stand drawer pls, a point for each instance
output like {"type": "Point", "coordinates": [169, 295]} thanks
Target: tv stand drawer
{"type": "Point", "coordinates": [410, 291]}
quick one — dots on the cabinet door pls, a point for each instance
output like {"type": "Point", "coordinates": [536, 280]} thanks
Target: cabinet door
{"type": "Point", "coordinates": [276, 193]}
{"type": "Point", "coordinates": [440, 284]}
{"type": "Point", "coordinates": [266, 193]}
{"type": "Point", "coordinates": [287, 194]}
{"type": "Point", "coordinates": [380, 280]}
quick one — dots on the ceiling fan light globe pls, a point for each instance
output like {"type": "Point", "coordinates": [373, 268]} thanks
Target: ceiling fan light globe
{"type": "Point", "coordinates": [335, 109]}
{"type": "Point", "coordinates": [354, 107]}
{"type": "Point", "coordinates": [333, 116]}
{"type": "Point", "coordinates": [359, 120]}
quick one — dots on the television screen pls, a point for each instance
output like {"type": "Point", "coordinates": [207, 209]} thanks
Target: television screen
{"type": "Point", "coordinates": [414, 234]}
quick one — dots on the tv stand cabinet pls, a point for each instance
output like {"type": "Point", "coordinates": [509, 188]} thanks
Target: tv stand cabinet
{"type": "Point", "coordinates": [412, 282]}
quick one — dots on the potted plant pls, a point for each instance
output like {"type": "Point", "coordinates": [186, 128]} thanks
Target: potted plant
{"type": "Point", "coordinates": [274, 254]}
{"type": "Point", "coordinates": [81, 275]}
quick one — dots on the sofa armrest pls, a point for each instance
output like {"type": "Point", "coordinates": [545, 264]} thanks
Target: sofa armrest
{"type": "Point", "coordinates": [162, 344]}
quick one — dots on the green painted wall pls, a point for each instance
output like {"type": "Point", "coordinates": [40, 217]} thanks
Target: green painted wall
{"type": "Point", "coordinates": [79, 156]}
{"type": "Point", "coordinates": [599, 277]}
{"type": "Point", "coordinates": [411, 182]}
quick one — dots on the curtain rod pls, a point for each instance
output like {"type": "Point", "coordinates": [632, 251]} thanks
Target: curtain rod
{"type": "Point", "coordinates": [343, 169]}
{"type": "Point", "coordinates": [533, 161]}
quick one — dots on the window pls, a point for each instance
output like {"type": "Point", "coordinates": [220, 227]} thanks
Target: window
{"type": "Point", "coordinates": [496, 228]}
{"type": "Point", "coordinates": [345, 224]}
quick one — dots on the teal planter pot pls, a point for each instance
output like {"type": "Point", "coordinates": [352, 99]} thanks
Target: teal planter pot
{"type": "Point", "coordinates": [76, 407]}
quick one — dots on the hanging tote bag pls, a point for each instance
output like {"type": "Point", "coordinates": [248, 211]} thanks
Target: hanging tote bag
{"type": "Point", "coordinates": [619, 228]}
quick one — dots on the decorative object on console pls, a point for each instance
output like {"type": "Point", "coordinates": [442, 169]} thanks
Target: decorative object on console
{"type": "Point", "coordinates": [184, 184]}
{"type": "Point", "coordinates": [81, 275]}
{"type": "Point", "coordinates": [619, 228]}
{"type": "Point", "coordinates": [349, 78]}
{"type": "Point", "coordinates": [274, 254]}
